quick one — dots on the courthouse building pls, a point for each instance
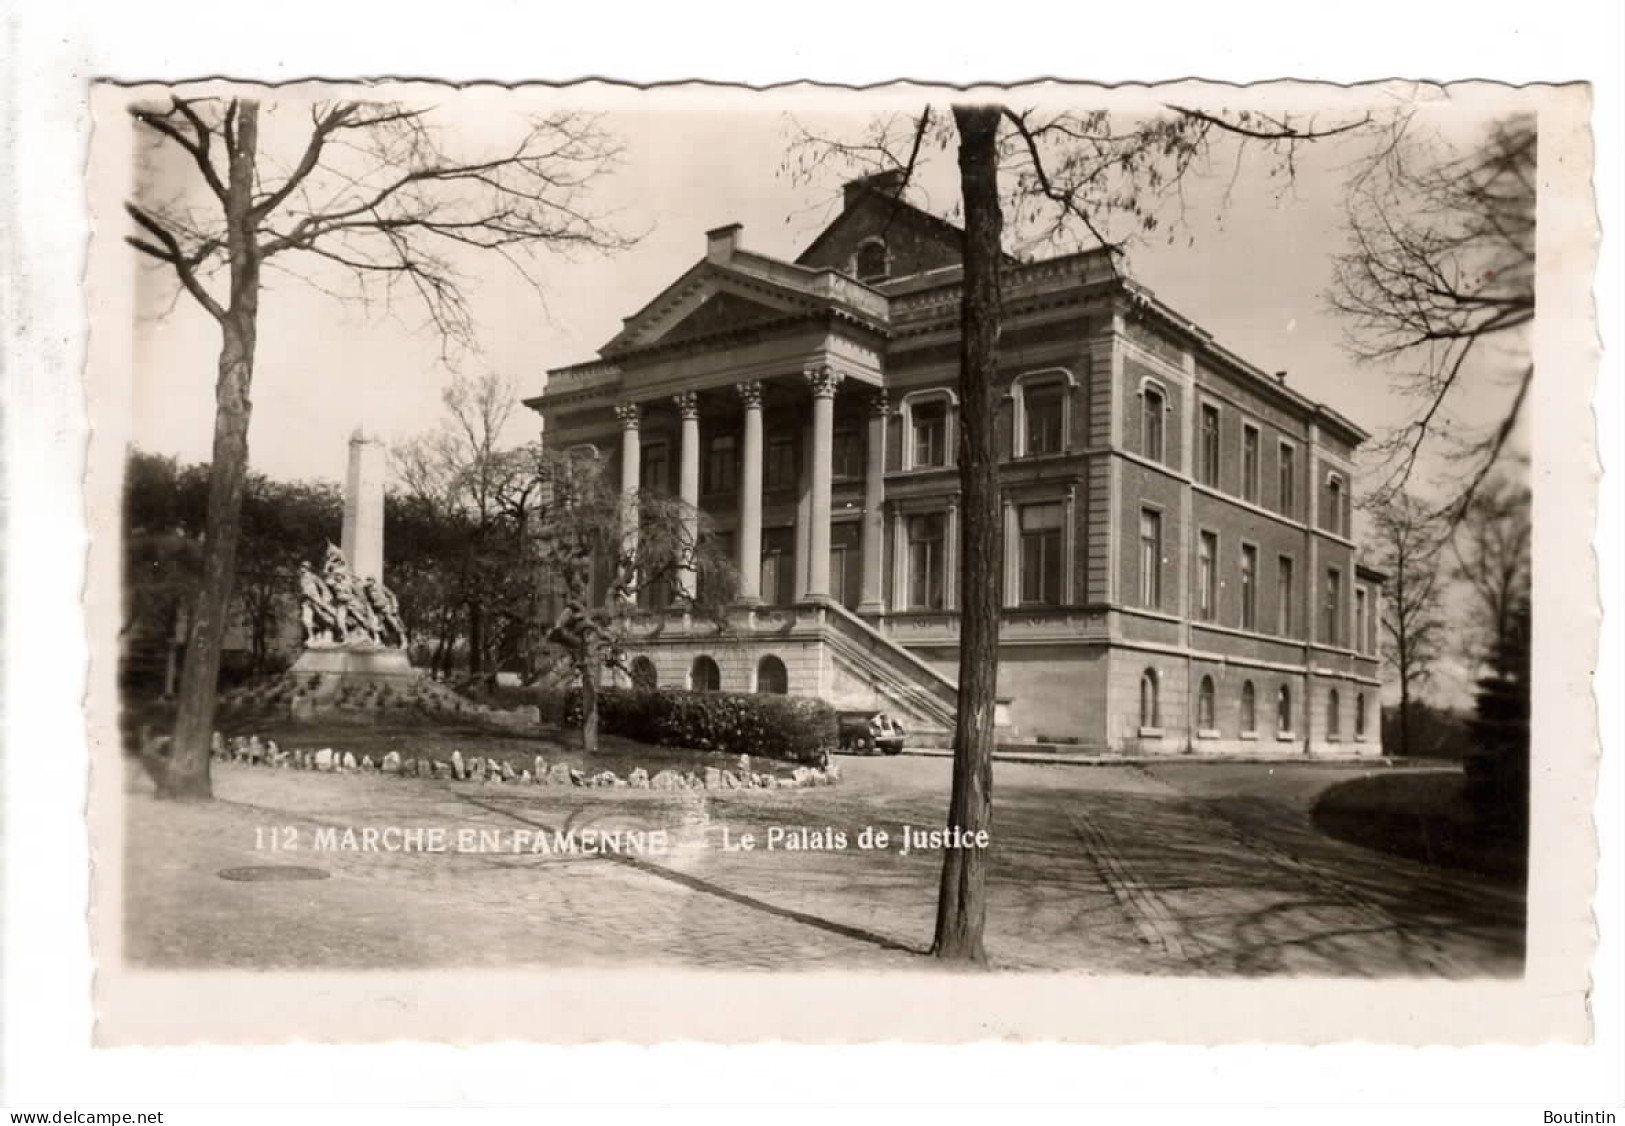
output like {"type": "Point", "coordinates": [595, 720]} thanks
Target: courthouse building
{"type": "Point", "coordinates": [1179, 571]}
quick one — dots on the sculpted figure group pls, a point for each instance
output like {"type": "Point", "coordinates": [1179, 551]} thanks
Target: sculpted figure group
{"type": "Point", "coordinates": [337, 608]}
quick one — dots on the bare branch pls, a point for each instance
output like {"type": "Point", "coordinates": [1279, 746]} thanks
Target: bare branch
{"type": "Point", "coordinates": [185, 265]}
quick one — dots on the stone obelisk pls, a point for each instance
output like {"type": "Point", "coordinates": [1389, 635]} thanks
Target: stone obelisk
{"type": "Point", "coordinates": [363, 537]}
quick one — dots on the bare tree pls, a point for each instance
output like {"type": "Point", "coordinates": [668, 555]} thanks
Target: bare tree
{"type": "Point", "coordinates": [368, 190]}
{"type": "Point", "coordinates": [1491, 546]}
{"type": "Point", "coordinates": [1062, 178]}
{"type": "Point", "coordinates": [1409, 544]}
{"type": "Point", "coordinates": [463, 471]}
{"type": "Point", "coordinates": [1438, 286]}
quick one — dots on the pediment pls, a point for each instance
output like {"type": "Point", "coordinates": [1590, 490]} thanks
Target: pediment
{"type": "Point", "coordinates": [720, 312]}
{"type": "Point", "coordinates": [706, 300]}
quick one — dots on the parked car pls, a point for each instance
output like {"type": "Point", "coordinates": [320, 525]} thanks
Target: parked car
{"type": "Point", "coordinates": [865, 733]}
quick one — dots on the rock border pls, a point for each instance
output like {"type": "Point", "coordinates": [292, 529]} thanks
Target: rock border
{"type": "Point", "coordinates": [250, 750]}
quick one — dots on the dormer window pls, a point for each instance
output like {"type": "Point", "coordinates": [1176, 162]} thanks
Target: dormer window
{"type": "Point", "coordinates": [872, 263]}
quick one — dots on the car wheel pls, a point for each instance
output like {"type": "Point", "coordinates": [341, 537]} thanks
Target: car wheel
{"type": "Point", "coordinates": [863, 745]}
{"type": "Point", "coordinates": [893, 748]}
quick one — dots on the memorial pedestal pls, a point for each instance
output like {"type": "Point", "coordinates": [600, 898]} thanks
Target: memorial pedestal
{"type": "Point", "coordinates": [328, 675]}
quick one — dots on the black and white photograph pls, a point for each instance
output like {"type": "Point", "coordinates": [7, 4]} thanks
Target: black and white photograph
{"type": "Point", "coordinates": [1057, 537]}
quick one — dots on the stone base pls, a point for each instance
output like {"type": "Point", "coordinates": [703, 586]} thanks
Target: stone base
{"type": "Point", "coordinates": [328, 676]}
{"type": "Point", "coordinates": [368, 664]}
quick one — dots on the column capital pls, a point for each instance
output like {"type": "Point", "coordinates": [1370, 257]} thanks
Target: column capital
{"type": "Point", "coordinates": [878, 402]}
{"type": "Point", "coordinates": [629, 414]}
{"type": "Point", "coordinates": [688, 404]}
{"type": "Point", "coordinates": [750, 393]}
{"type": "Point", "coordinates": [823, 380]}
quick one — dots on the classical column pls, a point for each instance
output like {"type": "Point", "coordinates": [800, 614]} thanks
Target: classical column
{"type": "Point", "coordinates": [823, 382]}
{"type": "Point", "coordinates": [631, 470]}
{"type": "Point", "coordinates": [872, 596]}
{"type": "Point", "coordinates": [750, 496]}
{"type": "Point", "coordinates": [803, 509]}
{"type": "Point", "coordinates": [688, 483]}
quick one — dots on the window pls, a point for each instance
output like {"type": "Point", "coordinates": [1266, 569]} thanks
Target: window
{"type": "Point", "coordinates": [780, 469]}
{"type": "Point", "coordinates": [1041, 526]}
{"type": "Point", "coordinates": [777, 573]}
{"type": "Point", "coordinates": [1153, 405]}
{"type": "Point", "coordinates": [1044, 413]}
{"type": "Point", "coordinates": [704, 676]}
{"type": "Point", "coordinates": [1371, 622]}
{"type": "Point", "coordinates": [1283, 710]}
{"type": "Point", "coordinates": [655, 595]}
{"type": "Point", "coordinates": [871, 263]}
{"type": "Point", "coordinates": [1204, 706]}
{"type": "Point", "coordinates": [1249, 586]}
{"type": "Point", "coordinates": [1150, 707]}
{"type": "Point", "coordinates": [1209, 474]}
{"type": "Point", "coordinates": [1359, 715]}
{"type": "Point", "coordinates": [654, 467]}
{"type": "Point", "coordinates": [844, 574]}
{"type": "Point", "coordinates": [1330, 633]}
{"type": "Point", "coordinates": [644, 676]}
{"type": "Point", "coordinates": [1334, 715]}
{"type": "Point", "coordinates": [846, 458]}
{"type": "Point", "coordinates": [1249, 708]}
{"type": "Point", "coordinates": [721, 464]}
{"type": "Point", "coordinates": [1359, 618]}
{"type": "Point", "coordinates": [1207, 576]}
{"type": "Point", "coordinates": [1287, 597]}
{"type": "Point", "coordinates": [1150, 559]}
{"type": "Point", "coordinates": [771, 676]}
{"type": "Point", "coordinates": [930, 434]}
{"type": "Point", "coordinates": [926, 539]}
{"type": "Point", "coordinates": [1332, 518]}
{"type": "Point", "coordinates": [1249, 463]}
{"type": "Point", "coordinates": [1289, 479]}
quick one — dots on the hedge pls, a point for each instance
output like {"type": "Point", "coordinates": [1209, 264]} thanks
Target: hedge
{"type": "Point", "coordinates": [790, 728]}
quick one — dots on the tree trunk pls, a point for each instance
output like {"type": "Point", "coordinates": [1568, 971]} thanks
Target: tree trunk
{"type": "Point", "coordinates": [187, 775]}
{"type": "Point", "coordinates": [1404, 717]}
{"type": "Point", "coordinates": [476, 637]}
{"type": "Point", "coordinates": [962, 904]}
{"type": "Point", "coordinates": [589, 704]}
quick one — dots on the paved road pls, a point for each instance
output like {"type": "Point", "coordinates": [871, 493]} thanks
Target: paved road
{"type": "Point", "coordinates": [1170, 869]}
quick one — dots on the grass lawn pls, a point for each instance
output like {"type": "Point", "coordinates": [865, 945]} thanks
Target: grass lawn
{"type": "Point", "coordinates": [412, 732]}
{"type": "Point", "coordinates": [1422, 816]}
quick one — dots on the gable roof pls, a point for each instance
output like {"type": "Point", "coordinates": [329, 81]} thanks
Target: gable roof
{"type": "Point", "coordinates": [875, 207]}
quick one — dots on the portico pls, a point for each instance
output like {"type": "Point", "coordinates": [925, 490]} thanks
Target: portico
{"type": "Point", "coordinates": [772, 442]}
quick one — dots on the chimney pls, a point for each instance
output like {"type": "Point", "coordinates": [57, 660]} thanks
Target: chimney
{"type": "Point", "coordinates": [1280, 377]}
{"type": "Point", "coordinates": [721, 243]}
{"type": "Point", "coordinates": [888, 183]}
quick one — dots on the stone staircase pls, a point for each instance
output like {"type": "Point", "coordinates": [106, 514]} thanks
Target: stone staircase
{"type": "Point", "coordinates": [923, 699]}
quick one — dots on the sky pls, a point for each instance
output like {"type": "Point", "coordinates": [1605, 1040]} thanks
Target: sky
{"type": "Point", "coordinates": [1250, 259]}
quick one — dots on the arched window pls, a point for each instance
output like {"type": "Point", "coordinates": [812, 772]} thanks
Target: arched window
{"type": "Point", "coordinates": [1333, 520]}
{"type": "Point", "coordinates": [1334, 714]}
{"type": "Point", "coordinates": [1283, 709]}
{"type": "Point", "coordinates": [1204, 705]}
{"type": "Point", "coordinates": [1042, 415]}
{"type": "Point", "coordinates": [771, 676]}
{"type": "Point", "coordinates": [1249, 708]}
{"type": "Point", "coordinates": [872, 262]}
{"type": "Point", "coordinates": [1359, 715]}
{"type": "Point", "coordinates": [704, 676]}
{"type": "Point", "coordinates": [1150, 707]}
{"type": "Point", "coordinates": [644, 676]}
{"type": "Point", "coordinates": [1153, 405]}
